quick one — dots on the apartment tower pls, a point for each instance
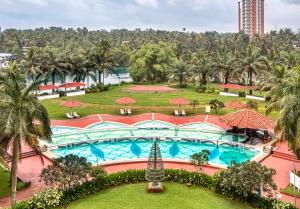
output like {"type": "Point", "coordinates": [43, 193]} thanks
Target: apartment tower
{"type": "Point", "coordinates": [251, 16]}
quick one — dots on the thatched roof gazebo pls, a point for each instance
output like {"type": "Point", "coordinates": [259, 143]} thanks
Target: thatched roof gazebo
{"type": "Point", "coordinates": [235, 104]}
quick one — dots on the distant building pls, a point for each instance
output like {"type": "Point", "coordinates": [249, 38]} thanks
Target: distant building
{"type": "Point", "coordinates": [5, 58]}
{"type": "Point", "coordinates": [251, 16]}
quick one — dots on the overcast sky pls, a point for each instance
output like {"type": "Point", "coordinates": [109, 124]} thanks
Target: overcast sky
{"type": "Point", "coordinates": [194, 15]}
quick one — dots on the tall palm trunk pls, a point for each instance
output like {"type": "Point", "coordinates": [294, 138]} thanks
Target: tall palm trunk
{"type": "Point", "coordinates": [14, 170]}
{"type": "Point", "coordinates": [103, 76]}
{"type": "Point", "coordinates": [226, 81]}
{"type": "Point", "coordinates": [250, 80]}
{"type": "Point", "coordinates": [99, 76]}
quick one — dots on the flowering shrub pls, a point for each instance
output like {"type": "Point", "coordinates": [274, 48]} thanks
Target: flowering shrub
{"type": "Point", "coordinates": [281, 205]}
{"type": "Point", "coordinates": [49, 198]}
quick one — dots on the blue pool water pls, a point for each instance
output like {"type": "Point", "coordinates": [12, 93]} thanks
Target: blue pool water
{"type": "Point", "coordinates": [106, 141]}
{"type": "Point", "coordinates": [136, 149]}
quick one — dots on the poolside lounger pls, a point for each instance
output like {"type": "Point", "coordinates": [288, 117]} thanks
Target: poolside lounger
{"type": "Point", "coordinates": [129, 111]}
{"type": "Point", "coordinates": [176, 112]}
{"type": "Point", "coordinates": [76, 115]}
{"type": "Point", "coordinates": [69, 116]}
{"type": "Point", "coordinates": [183, 112]}
{"type": "Point", "coordinates": [122, 111]}
{"type": "Point", "coordinates": [207, 109]}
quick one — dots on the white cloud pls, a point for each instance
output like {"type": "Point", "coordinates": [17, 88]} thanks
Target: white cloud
{"type": "Point", "coordinates": [148, 3]}
{"type": "Point", "coordinates": [36, 2]}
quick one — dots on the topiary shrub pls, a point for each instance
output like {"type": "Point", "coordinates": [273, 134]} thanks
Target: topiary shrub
{"type": "Point", "coordinates": [242, 94]}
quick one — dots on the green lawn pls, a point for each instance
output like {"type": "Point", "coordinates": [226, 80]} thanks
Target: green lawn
{"type": "Point", "coordinates": [291, 191]}
{"type": "Point", "coordinates": [104, 102]}
{"type": "Point", "coordinates": [176, 196]}
{"type": "Point", "coordinates": [4, 182]}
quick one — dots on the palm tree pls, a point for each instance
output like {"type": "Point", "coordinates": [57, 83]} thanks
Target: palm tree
{"type": "Point", "coordinates": [31, 63]}
{"type": "Point", "coordinates": [285, 98]}
{"type": "Point", "coordinates": [253, 62]}
{"type": "Point", "coordinates": [23, 118]}
{"type": "Point", "coordinates": [101, 57]}
{"type": "Point", "coordinates": [54, 65]}
{"type": "Point", "coordinates": [201, 66]}
{"type": "Point", "coordinates": [179, 72]}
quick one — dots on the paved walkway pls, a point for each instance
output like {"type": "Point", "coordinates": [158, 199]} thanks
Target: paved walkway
{"type": "Point", "coordinates": [129, 120]}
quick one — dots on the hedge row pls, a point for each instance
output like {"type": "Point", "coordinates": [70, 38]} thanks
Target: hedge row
{"type": "Point", "coordinates": [48, 199]}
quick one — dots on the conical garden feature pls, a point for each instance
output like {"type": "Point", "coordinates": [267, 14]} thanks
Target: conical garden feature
{"type": "Point", "coordinates": [155, 170]}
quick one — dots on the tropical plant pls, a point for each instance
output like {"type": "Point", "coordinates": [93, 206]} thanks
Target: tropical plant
{"type": "Point", "coordinates": [102, 58]}
{"type": "Point", "coordinates": [23, 119]}
{"type": "Point", "coordinates": [285, 98]}
{"type": "Point", "coordinates": [216, 105]}
{"type": "Point", "coordinates": [49, 198]}
{"type": "Point", "coordinates": [31, 63]}
{"type": "Point", "coordinates": [179, 72]}
{"type": "Point", "coordinates": [200, 159]}
{"type": "Point", "coordinates": [151, 63]}
{"type": "Point", "coordinates": [252, 63]}
{"type": "Point", "coordinates": [66, 172]}
{"type": "Point", "coordinates": [241, 181]}
{"type": "Point", "coordinates": [201, 67]}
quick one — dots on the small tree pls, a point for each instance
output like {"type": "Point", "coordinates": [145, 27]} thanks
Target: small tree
{"type": "Point", "coordinates": [66, 172]}
{"type": "Point", "coordinates": [216, 105]}
{"type": "Point", "coordinates": [200, 159]}
{"type": "Point", "coordinates": [243, 181]}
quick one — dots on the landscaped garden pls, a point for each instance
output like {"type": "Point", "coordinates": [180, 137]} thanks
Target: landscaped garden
{"type": "Point", "coordinates": [175, 196]}
{"type": "Point", "coordinates": [104, 102]}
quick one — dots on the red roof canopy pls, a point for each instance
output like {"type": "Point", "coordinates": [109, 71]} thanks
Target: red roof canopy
{"type": "Point", "coordinates": [48, 87]}
{"type": "Point", "coordinates": [237, 87]}
{"type": "Point", "coordinates": [247, 118]}
{"type": "Point", "coordinates": [71, 103]}
{"type": "Point", "coordinates": [72, 85]}
{"type": "Point", "coordinates": [180, 101]}
{"type": "Point", "coordinates": [125, 100]}
{"type": "Point", "coordinates": [235, 104]}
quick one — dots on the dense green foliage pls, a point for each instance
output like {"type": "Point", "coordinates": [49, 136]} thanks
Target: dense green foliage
{"type": "Point", "coordinates": [66, 171]}
{"type": "Point", "coordinates": [100, 183]}
{"type": "Point", "coordinates": [200, 159]}
{"type": "Point", "coordinates": [216, 105]}
{"type": "Point", "coordinates": [241, 181]}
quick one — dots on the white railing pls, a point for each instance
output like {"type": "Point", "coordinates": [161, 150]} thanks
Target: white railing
{"type": "Point", "coordinates": [51, 96]}
{"type": "Point", "coordinates": [76, 93]}
{"type": "Point", "coordinates": [295, 180]}
{"type": "Point", "coordinates": [228, 94]}
{"type": "Point", "coordinates": [255, 97]}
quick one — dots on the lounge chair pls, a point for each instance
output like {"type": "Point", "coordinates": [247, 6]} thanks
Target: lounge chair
{"type": "Point", "coordinates": [129, 111]}
{"type": "Point", "coordinates": [176, 112]}
{"type": "Point", "coordinates": [183, 112]}
{"type": "Point", "coordinates": [122, 111]}
{"type": "Point", "coordinates": [207, 109]}
{"type": "Point", "coordinates": [69, 116]}
{"type": "Point", "coordinates": [76, 115]}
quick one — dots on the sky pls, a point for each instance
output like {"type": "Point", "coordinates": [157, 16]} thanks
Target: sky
{"type": "Point", "coordinates": [194, 15]}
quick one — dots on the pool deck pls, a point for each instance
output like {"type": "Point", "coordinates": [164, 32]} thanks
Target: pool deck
{"type": "Point", "coordinates": [30, 168]}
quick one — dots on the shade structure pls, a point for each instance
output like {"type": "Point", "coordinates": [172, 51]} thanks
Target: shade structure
{"type": "Point", "coordinates": [71, 103]}
{"type": "Point", "coordinates": [125, 101]}
{"type": "Point", "coordinates": [235, 104]}
{"type": "Point", "coordinates": [247, 118]}
{"type": "Point", "coordinates": [48, 87]}
{"type": "Point", "coordinates": [237, 87]}
{"type": "Point", "coordinates": [72, 85]}
{"type": "Point", "coordinates": [180, 101]}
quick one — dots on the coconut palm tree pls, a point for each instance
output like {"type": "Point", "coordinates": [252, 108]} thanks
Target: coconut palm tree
{"type": "Point", "coordinates": [179, 72]}
{"type": "Point", "coordinates": [23, 119]}
{"type": "Point", "coordinates": [102, 58]}
{"type": "Point", "coordinates": [285, 98]}
{"type": "Point", "coordinates": [201, 67]}
{"type": "Point", "coordinates": [31, 63]}
{"type": "Point", "coordinates": [253, 62]}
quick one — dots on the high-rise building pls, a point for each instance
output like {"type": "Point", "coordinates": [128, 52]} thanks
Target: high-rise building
{"type": "Point", "coordinates": [251, 16]}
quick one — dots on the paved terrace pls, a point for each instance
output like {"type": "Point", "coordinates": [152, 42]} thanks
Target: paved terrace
{"type": "Point", "coordinates": [30, 168]}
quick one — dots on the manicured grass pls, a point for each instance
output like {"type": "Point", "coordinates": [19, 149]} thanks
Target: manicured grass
{"type": "Point", "coordinates": [290, 191]}
{"type": "Point", "coordinates": [4, 182]}
{"type": "Point", "coordinates": [175, 196]}
{"type": "Point", "coordinates": [104, 102]}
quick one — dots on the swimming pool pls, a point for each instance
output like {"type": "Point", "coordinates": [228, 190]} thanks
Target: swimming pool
{"type": "Point", "coordinates": [109, 141]}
